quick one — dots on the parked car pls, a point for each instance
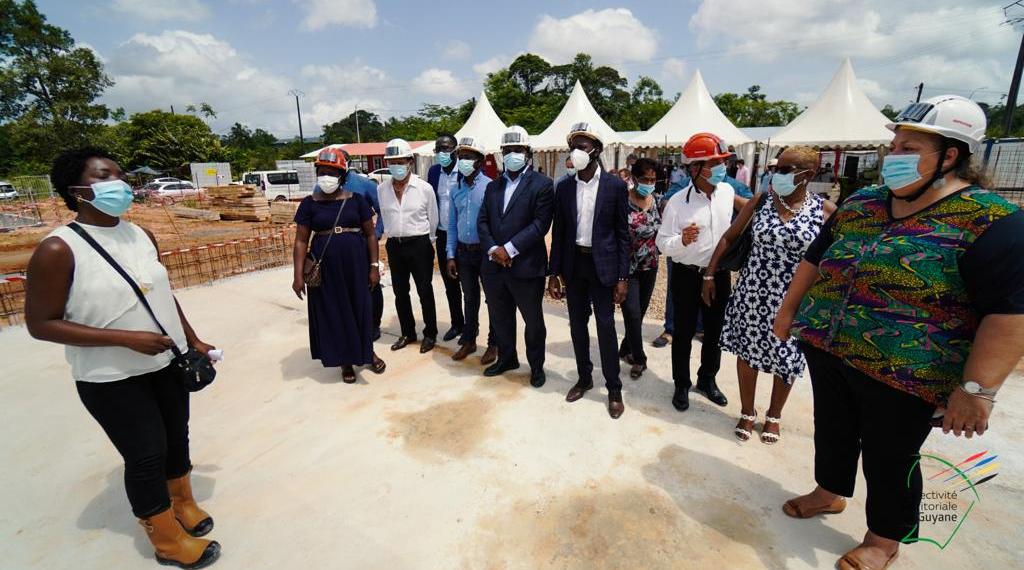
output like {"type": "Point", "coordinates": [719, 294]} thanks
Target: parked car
{"type": "Point", "coordinates": [380, 175]}
{"type": "Point", "coordinates": [146, 191]}
{"type": "Point", "coordinates": [7, 191]}
{"type": "Point", "coordinates": [277, 185]}
{"type": "Point", "coordinates": [168, 179]}
{"type": "Point", "coordinates": [176, 190]}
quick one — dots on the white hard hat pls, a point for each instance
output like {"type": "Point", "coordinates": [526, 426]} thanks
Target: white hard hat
{"type": "Point", "coordinates": [473, 144]}
{"type": "Point", "coordinates": [515, 136]}
{"type": "Point", "coordinates": [773, 162]}
{"type": "Point", "coordinates": [950, 116]}
{"type": "Point", "coordinates": [585, 129]}
{"type": "Point", "coordinates": [397, 148]}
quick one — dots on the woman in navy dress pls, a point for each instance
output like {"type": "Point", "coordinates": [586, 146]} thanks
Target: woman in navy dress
{"type": "Point", "coordinates": [340, 309]}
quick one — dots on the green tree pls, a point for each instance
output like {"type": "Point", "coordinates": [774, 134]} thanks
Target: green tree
{"type": "Point", "coordinates": [371, 128]}
{"type": "Point", "coordinates": [997, 116]}
{"type": "Point", "coordinates": [48, 86]}
{"type": "Point", "coordinates": [249, 150]}
{"type": "Point", "coordinates": [752, 109]}
{"type": "Point", "coordinates": [889, 112]}
{"type": "Point", "coordinates": [165, 142]}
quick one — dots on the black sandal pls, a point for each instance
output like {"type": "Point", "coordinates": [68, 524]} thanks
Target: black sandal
{"type": "Point", "coordinates": [378, 365]}
{"type": "Point", "coordinates": [348, 375]}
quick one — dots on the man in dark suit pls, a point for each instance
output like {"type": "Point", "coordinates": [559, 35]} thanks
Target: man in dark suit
{"type": "Point", "coordinates": [514, 219]}
{"type": "Point", "coordinates": [590, 251]}
{"type": "Point", "coordinates": [443, 178]}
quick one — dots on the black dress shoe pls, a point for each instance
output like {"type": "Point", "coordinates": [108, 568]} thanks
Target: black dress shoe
{"type": "Point", "coordinates": [402, 342]}
{"type": "Point", "coordinates": [427, 345]}
{"type": "Point", "coordinates": [537, 378]}
{"type": "Point", "coordinates": [681, 399]}
{"type": "Point", "coordinates": [615, 405]}
{"type": "Point", "coordinates": [452, 333]}
{"type": "Point", "coordinates": [710, 391]}
{"type": "Point", "coordinates": [499, 368]}
{"type": "Point", "coordinates": [577, 391]}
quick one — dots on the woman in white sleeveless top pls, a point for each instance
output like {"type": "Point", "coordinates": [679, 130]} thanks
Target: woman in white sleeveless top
{"type": "Point", "coordinates": [119, 359]}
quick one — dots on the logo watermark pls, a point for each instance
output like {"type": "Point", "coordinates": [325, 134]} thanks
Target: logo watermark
{"type": "Point", "coordinates": [950, 492]}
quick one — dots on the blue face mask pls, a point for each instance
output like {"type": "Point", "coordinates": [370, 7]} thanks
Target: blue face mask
{"type": "Point", "coordinates": [444, 158]}
{"type": "Point", "coordinates": [717, 174]}
{"type": "Point", "coordinates": [644, 190]}
{"type": "Point", "coordinates": [514, 161]}
{"type": "Point", "coordinates": [570, 171]}
{"type": "Point", "coordinates": [783, 184]}
{"type": "Point", "coordinates": [398, 171]}
{"type": "Point", "coordinates": [112, 197]}
{"type": "Point", "coordinates": [467, 166]}
{"type": "Point", "coordinates": [900, 170]}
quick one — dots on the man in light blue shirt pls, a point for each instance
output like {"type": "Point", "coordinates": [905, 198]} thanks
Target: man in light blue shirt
{"type": "Point", "coordinates": [464, 253]}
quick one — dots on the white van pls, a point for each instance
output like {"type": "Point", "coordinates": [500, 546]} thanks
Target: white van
{"type": "Point", "coordinates": [277, 184]}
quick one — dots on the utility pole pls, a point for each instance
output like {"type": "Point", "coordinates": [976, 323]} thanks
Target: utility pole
{"type": "Point", "coordinates": [1011, 98]}
{"type": "Point", "coordinates": [172, 109]}
{"type": "Point", "coordinates": [298, 111]}
{"type": "Point", "coordinates": [920, 88]}
{"type": "Point", "coordinates": [358, 138]}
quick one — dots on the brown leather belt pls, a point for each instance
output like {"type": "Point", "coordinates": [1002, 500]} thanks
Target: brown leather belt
{"type": "Point", "coordinates": [338, 230]}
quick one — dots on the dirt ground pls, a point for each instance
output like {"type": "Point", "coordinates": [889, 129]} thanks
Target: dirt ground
{"type": "Point", "coordinates": [432, 466]}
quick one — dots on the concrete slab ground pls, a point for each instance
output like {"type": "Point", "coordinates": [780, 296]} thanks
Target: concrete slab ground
{"type": "Point", "coordinates": [432, 466]}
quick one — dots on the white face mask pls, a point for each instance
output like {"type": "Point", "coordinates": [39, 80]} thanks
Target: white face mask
{"type": "Point", "coordinates": [327, 184]}
{"type": "Point", "coordinates": [580, 159]}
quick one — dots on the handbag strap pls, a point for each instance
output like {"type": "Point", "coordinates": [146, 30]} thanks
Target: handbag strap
{"type": "Point", "coordinates": [120, 270]}
{"type": "Point", "coordinates": [337, 218]}
{"type": "Point", "coordinates": [761, 198]}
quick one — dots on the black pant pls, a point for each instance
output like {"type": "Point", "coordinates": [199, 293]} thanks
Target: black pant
{"type": "Point", "coordinates": [858, 416]}
{"type": "Point", "coordinates": [468, 260]}
{"type": "Point", "coordinates": [452, 290]}
{"type": "Point", "coordinates": [504, 295]}
{"type": "Point", "coordinates": [377, 298]}
{"type": "Point", "coordinates": [413, 257]}
{"type": "Point", "coordinates": [638, 298]}
{"type": "Point", "coordinates": [583, 291]}
{"type": "Point", "coordinates": [687, 286]}
{"type": "Point", "coordinates": [146, 418]}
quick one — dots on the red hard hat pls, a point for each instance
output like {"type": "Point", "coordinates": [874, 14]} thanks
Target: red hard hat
{"type": "Point", "coordinates": [332, 157]}
{"type": "Point", "coordinates": [705, 146]}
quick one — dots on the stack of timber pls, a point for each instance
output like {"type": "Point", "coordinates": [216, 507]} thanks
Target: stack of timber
{"type": "Point", "coordinates": [282, 212]}
{"type": "Point", "coordinates": [195, 214]}
{"type": "Point", "coordinates": [239, 202]}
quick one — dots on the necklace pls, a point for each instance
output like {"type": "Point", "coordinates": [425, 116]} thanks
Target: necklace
{"type": "Point", "coordinates": [783, 203]}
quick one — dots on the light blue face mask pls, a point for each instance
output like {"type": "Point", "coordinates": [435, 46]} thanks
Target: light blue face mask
{"type": "Point", "coordinates": [900, 170]}
{"type": "Point", "coordinates": [570, 171]}
{"type": "Point", "coordinates": [444, 158]}
{"type": "Point", "coordinates": [398, 171]}
{"type": "Point", "coordinates": [467, 166]}
{"type": "Point", "coordinates": [644, 190]}
{"type": "Point", "coordinates": [717, 174]}
{"type": "Point", "coordinates": [514, 161]}
{"type": "Point", "coordinates": [783, 184]}
{"type": "Point", "coordinates": [112, 197]}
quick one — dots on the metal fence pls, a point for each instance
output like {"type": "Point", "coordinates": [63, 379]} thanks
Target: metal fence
{"type": "Point", "coordinates": [23, 211]}
{"type": "Point", "coordinates": [268, 247]}
{"type": "Point", "coordinates": [1002, 162]}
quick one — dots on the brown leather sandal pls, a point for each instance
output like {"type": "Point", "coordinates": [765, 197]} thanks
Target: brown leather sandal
{"type": "Point", "coordinates": [850, 561]}
{"type": "Point", "coordinates": [378, 365]}
{"type": "Point", "coordinates": [792, 509]}
{"type": "Point", "coordinates": [348, 375]}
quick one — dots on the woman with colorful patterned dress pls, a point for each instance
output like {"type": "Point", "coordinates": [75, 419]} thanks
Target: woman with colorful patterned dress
{"type": "Point", "coordinates": [644, 222]}
{"type": "Point", "coordinates": [784, 222]}
{"type": "Point", "coordinates": [909, 308]}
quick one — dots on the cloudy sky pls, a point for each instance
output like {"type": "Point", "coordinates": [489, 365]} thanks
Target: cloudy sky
{"type": "Point", "coordinates": [391, 56]}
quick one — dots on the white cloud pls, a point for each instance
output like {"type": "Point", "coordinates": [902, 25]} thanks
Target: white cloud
{"type": "Point", "coordinates": [456, 49]}
{"type": "Point", "coordinates": [674, 68]}
{"type": "Point", "coordinates": [157, 10]}
{"type": "Point", "coordinates": [323, 13]}
{"type": "Point", "coordinates": [440, 83]}
{"type": "Point", "coordinates": [493, 64]}
{"type": "Point", "coordinates": [180, 68]}
{"type": "Point", "coordinates": [612, 35]}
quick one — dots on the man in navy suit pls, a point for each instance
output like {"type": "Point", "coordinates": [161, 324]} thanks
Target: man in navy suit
{"type": "Point", "coordinates": [590, 251]}
{"type": "Point", "coordinates": [443, 177]}
{"type": "Point", "coordinates": [513, 221]}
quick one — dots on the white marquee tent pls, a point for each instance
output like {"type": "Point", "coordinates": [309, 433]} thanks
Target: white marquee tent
{"type": "Point", "coordinates": [483, 124]}
{"type": "Point", "coordinates": [577, 109]}
{"type": "Point", "coordinates": [841, 117]}
{"type": "Point", "coordinates": [694, 112]}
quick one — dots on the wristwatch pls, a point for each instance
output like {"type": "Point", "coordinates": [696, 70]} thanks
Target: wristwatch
{"type": "Point", "coordinates": [376, 264]}
{"type": "Point", "coordinates": [975, 389]}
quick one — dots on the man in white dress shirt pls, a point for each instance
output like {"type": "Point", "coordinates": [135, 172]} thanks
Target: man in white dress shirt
{"type": "Point", "coordinates": [409, 208]}
{"type": "Point", "coordinates": [692, 224]}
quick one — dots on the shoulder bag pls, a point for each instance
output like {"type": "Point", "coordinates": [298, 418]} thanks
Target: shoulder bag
{"type": "Point", "coordinates": [735, 256]}
{"type": "Point", "coordinates": [193, 367]}
{"type": "Point", "coordinates": [311, 274]}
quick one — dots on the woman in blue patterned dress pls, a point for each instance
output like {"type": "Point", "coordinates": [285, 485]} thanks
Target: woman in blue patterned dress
{"type": "Point", "coordinates": [785, 222]}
